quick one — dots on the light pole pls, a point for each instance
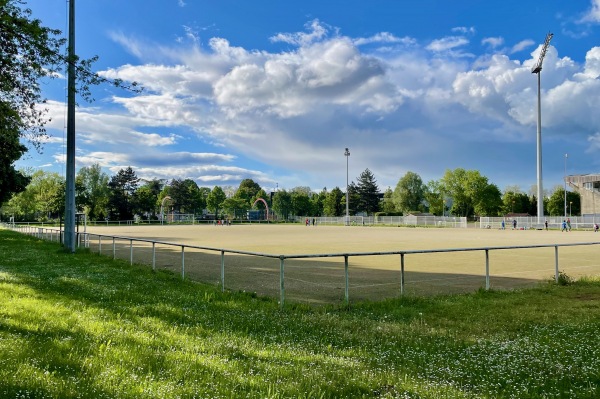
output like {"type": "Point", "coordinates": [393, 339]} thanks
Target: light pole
{"type": "Point", "coordinates": [70, 209]}
{"type": "Point", "coordinates": [566, 156]}
{"type": "Point", "coordinates": [537, 69]}
{"type": "Point", "coordinates": [570, 207]}
{"type": "Point", "coordinates": [347, 154]}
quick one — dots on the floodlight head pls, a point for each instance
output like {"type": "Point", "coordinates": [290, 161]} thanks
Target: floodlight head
{"type": "Point", "coordinates": [537, 68]}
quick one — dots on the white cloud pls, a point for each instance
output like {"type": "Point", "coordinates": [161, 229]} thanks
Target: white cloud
{"type": "Point", "coordinates": [132, 45]}
{"type": "Point", "coordinates": [464, 29]}
{"type": "Point", "coordinates": [592, 63]}
{"type": "Point", "coordinates": [385, 37]}
{"type": "Point", "coordinates": [447, 43]}
{"type": "Point", "coordinates": [593, 14]}
{"type": "Point", "coordinates": [493, 42]}
{"type": "Point", "coordinates": [522, 45]}
{"type": "Point", "coordinates": [317, 31]}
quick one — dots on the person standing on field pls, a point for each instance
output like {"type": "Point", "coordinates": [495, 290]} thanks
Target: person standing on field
{"type": "Point", "coordinates": [514, 224]}
{"type": "Point", "coordinates": [546, 224]}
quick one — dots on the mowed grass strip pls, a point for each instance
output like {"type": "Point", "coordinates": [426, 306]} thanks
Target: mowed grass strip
{"type": "Point", "coordinates": [85, 326]}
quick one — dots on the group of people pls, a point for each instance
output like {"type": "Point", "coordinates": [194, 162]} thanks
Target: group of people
{"type": "Point", "coordinates": [566, 225]}
{"type": "Point", "coordinates": [514, 223]}
{"type": "Point", "coordinates": [307, 222]}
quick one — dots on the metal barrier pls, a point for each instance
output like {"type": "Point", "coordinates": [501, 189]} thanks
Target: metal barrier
{"type": "Point", "coordinates": [85, 238]}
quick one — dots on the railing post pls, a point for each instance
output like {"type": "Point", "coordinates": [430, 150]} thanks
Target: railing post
{"type": "Point", "coordinates": [114, 249]}
{"type": "Point", "coordinates": [99, 245]}
{"type": "Point", "coordinates": [222, 271]}
{"type": "Point", "coordinates": [402, 274]}
{"type": "Point", "coordinates": [346, 292]}
{"type": "Point", "coordinates": [153, 256]}
{"type": "Point", "coordinates": [281, 282]}
{"type": "Point", "coordinates": [182, 262]}
{"type": "Point", "coordinates": [131, 252]}
{"type": "Point", "coordinates": [487, 269]}
{"type": "Point", "coordinates": [556, 263]}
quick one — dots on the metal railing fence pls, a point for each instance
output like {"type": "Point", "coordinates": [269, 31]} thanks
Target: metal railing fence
{"type": "Point", "coordinates": [102, 241]}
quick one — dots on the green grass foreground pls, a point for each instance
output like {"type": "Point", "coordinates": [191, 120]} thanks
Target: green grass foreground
{"type": "Point", "coordinates": [85, 326]}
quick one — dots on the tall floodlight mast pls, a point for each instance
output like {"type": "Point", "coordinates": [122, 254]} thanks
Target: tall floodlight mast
{"type": "Point", "coordinates": [537, 69]}
{"type": "Point", "coordinates": [69, 241]}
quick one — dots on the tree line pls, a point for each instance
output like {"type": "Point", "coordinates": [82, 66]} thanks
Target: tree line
{"type": "Point", "coordinates": [124, 196]}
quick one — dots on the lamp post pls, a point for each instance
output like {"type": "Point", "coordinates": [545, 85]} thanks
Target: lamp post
{"type": "Point", "coordinates": [566, 156]}
{"type": "Point", "coordinates": [347, 154]}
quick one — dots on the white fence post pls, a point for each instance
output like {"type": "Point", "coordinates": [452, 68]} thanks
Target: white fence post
{"type": "Point", "coordinates": [556, 263]}
{"type": "Point", "coordinates": [281, 281]}
{"type": "Point", "coordinates": [222, 271]}
{"type": "Point", "coordinates": [346, 292]}
{"type": "Point", "coordinates": [182, 262]}
{"type": "Point", "coordinates": [402, 274]}
{"type": "Point", "coordinates": [487, 269]}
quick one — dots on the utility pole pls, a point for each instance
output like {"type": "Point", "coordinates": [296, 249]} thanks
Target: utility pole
{"type": "Point", "coordinates": [537, 69]}
{"type": "Point", "coordinates": [69, 232]}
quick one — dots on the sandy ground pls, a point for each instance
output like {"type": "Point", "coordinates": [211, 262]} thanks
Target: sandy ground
{"type": "Point", "coordinates": [370, 277]}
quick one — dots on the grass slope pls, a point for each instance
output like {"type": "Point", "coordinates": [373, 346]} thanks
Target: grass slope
{"type": "Point", "coordinates": [84, 326]}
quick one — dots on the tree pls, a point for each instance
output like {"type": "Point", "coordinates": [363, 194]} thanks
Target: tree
{"type": "Point", "coordinates": [332, 205]}
{"type": "Point", "coordinates": [388, 205]}
{"type": "Point", "coordinates": [42, 199]}
{"type": "Point", "coordinates": [556, 203]}
{"type": "Point", "coordinates": [11, 180]}
{"type": "Point", "coordinates": [488, 201]}
{"type": "Point", "coordinates": [282, 203]}
{"type": "Point", "coordinates": [148, 198]}
{"type": "Point", "coordinates": [435, 197]}
{"type": "Point", "coordinates": [368, 193]}
{"type": "Point", "coordinates": [515, 202]}
{"type": "Point", "coordinates": [301, 205]}
{"type": "Point", "coordinates": [215, 200]}
{"type": "Point", "coordinates": [186, 196]}
{"type": "Point", "coordinates": [470, 192]}
{"type": "Point", "coordinates": [235, 207]}
{"type": "Point", "coordinates": [409, 193]}
{"type": "Point", "coordinates": [49, 188]}
{"type": "Point", "coordinates": [247, 191]}
{"type": "Point", "coordinates": [92, 191]}
{"type": "Point", "coordinates": [353, 200]}
{"type": "Point", "coordinates": [122, 192]}
{"type": "Point", "coordinates": [317, 202]}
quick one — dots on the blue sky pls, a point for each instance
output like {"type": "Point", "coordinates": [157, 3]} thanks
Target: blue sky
{"type": "Point", "coordinates": [275, 90]}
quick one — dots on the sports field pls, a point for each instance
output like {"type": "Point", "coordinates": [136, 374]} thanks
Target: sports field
{"type": "Point", "coordinates": [321, 280]}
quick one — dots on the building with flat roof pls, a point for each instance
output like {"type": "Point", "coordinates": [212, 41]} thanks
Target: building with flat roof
{"type": "Point", "coordinates": [588, 187]}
